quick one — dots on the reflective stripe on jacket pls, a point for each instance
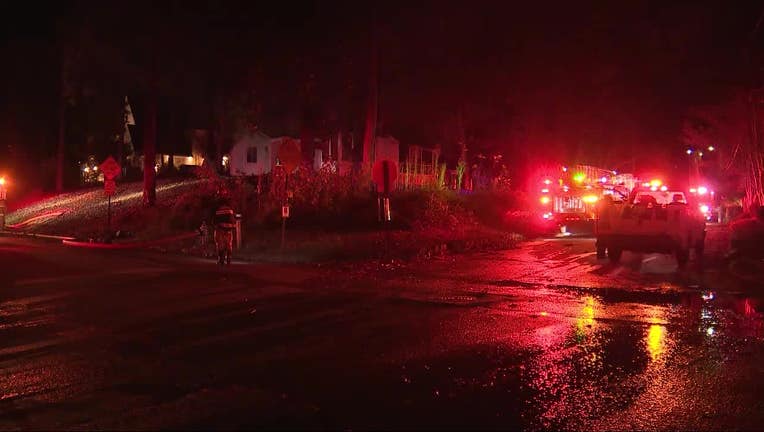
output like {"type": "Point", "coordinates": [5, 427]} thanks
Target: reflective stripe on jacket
{"type": "Point", "coordinates": [224, 218]}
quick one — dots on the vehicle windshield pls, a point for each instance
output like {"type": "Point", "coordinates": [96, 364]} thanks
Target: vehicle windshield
{"type": "Point", "coordinates": [660, 197]}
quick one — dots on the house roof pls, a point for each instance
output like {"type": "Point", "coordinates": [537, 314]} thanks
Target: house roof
{"type": "Point", "coordinates": [250, 135]}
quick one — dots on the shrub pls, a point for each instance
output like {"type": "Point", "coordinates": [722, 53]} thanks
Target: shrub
{"type": "Point", "coordinates": [491, 208]}
{"type": "Point", "coordinates": [191, 209]}
{"type": "Point", "coordinates": [432, 210]}
{"type": "Point", "coordinates": [523, 222]}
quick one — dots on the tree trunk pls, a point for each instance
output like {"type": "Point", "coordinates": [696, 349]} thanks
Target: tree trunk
{"type": "Point", "coordinates": [754, 189]}
{"type": "Point", "coordinates": [370, 128]}
{"type": "Point", "coordinates": [149, 150]}
{"type": "Point", "coordinates": [61, 130]}
{"type": "Point", "coordinates": [121, 138]}
{"type": "Point", "coordinates": [462, 137]}
{"type": "Point", "coordinates": [339, 152]}
{"type": "Point", "coordinates": [219, 130]}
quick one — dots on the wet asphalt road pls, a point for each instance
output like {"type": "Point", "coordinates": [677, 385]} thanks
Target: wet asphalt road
{"type": "Point", "coordinates": [543, 337]}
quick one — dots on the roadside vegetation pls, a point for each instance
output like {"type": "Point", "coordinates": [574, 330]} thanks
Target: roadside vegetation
{"type": "Point", "coordinates": [331, 217]}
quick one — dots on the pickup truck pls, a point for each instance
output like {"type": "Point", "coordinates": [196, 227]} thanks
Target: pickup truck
{"type": "Point", "coordinates": [650, 220]}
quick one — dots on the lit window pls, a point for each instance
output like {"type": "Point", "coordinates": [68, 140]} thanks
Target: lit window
{"type": "Point", "coordinates": [252, 154]}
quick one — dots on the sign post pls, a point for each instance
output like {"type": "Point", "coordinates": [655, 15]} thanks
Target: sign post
{"type": "Point", "coordinates": [384, 173]}
{"type": "Point", "coordinates": [109, 187]}
{"type": "Point", "coordinates": [238, 231]}
{"type": "Point", "coordinates": [284, 217]}
{"type": "Point", "coordinates": [289, 156]}
{"type": "Point", "coordinates": [110, 169]}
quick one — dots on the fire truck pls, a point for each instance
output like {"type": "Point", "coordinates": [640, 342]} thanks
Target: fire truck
{"type": "Point", "coordinates": [708, 203]}
{"type": "Point", "coordinates": [568, 197]}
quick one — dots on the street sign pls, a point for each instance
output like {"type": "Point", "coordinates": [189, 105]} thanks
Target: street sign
{"type": "Point", "coordinates": [285, 211]}
{"type": "Point", "coordinates": [290, 154]}
{"type": "Point", "coordinates": [110, 187]}
{"type": "Point", "coordinates": [110, 168]}
{"type": "Point", "coordinates": [383, 173]}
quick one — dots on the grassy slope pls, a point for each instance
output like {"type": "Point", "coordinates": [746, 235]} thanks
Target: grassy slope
{"type": "Point", "coordinates": [85, 212]}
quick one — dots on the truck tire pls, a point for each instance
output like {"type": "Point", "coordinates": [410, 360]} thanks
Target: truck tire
{"type": "Point", "coordinates": [700, 247]}
{"type": "Point", "coordinates": [614, 254]}
{"type": "Point", "coordinates": [682, 257]}
{"type": "Point", "coordinates": [601, 252]}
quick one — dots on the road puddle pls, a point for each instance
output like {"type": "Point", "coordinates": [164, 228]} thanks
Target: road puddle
{"type": "Point", "coordinates": [607, 358]}
{"type": "Point", "coordinates": [578, 358]}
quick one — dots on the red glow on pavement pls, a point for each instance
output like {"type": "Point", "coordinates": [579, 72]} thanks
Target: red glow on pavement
{"type": "Point", "coordinates": [131, 245]}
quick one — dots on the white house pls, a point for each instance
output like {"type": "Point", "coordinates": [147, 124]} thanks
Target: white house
{"type": "Point", "coordinates": [387, 147]}
{"type": "Point", "coordinates": [254, 154]}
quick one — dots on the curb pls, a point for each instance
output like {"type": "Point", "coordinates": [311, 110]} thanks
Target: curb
{"type": "Point", "coordinates": [134, 245]}
{"type": "Point", "coordinates": [35, 235]}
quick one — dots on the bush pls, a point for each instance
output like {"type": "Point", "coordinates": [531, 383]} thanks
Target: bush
{"type": "Point", "coordinates": [523, 222]}
{"type": "Point", "coordinates": [747, 236]}
{"type": "Point", "coordinates": [320, 199]}
{"type": "Point", "coordinates": [491, 208]}
{"type": "Point", "coordinates": [191, 209]}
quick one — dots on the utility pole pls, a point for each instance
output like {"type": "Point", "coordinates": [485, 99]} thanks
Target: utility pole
{"type": "Point", "coordinates": [155, 48]}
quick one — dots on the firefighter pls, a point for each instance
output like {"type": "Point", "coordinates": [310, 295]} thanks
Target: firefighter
{"type": "Point", "coordinates": [604, 209]}
{"type": "Point", "coordinates": [224, 226]}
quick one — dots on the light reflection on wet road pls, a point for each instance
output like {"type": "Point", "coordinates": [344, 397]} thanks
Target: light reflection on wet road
{"type": "Point", "coordinates": [544, 337]}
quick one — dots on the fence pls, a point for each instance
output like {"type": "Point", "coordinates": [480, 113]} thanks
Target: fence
{"type": "Point", "coordinates": [417, 176]}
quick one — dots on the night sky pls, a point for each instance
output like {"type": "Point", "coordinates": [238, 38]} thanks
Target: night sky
{"type": "Point", "coordinates": [601, 82]}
